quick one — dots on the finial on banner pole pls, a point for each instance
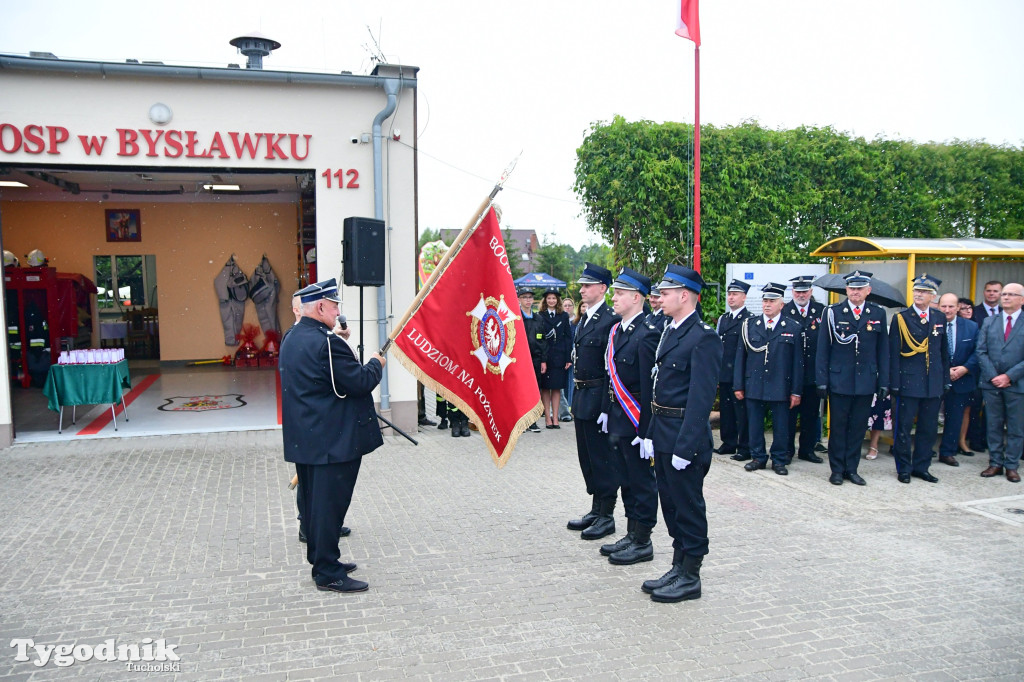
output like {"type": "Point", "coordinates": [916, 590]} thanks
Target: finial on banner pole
{"type": "Point", "coordinates": [504, 175]}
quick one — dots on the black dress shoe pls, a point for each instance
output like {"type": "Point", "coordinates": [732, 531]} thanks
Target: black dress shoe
{"type": "Point", "coordinates": [754, 465]}
{"type": "Point", "coordinates": [443, 425]}
{"type": "Point", "coordinates": [426, 421]}
{"type": "Point", "coordinates": [348, 567]}
{"type": "Point", "coordinates": [924, 476]}
{"type": "Point", "coordinates": [724, 451]}
{"type": "Point", "coordinates": [951, 461]}
{"type": "Point", "coordinates": [344, 585]}
{"type": "Point", "coordinates": [566, 419]}
{"type": "Point", "coordinates": [740, 457]}
{"type": "Point", "coordinates": [965, 453]}
{"type": "Point", "coordinates": [818, 447]}
{"type": "Point", "coordinates": [836, 479]}
{"type": "Point", "coordinates": [903, 478]}
{"type": "Point", "coordinates": [780, 469]}
{"type": "Point", "coordinates": [556, 426]}
{"type": "Point", "coordinates": [302, 536]}
{"type": "Point", "coordinates": [345, 531]}
{"type": "Point", "coordinates": [811, 458]}
{"type": "Point", "coordinates": [855, 479]}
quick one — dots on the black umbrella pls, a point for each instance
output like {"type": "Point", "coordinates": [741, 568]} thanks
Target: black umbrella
{"type": "Point", "coordinates": [882, 293]}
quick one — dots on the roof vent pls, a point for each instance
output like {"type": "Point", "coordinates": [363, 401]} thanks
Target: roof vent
{"type": "Point", "coordinates": [255, 46]}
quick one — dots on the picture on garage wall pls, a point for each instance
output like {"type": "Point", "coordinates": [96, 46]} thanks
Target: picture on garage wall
{"type": "Point", "coordinates": [124, 225]}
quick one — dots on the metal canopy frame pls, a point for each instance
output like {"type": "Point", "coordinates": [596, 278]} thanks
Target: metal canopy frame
{"type": "Point", "coordinates": [972, 249]}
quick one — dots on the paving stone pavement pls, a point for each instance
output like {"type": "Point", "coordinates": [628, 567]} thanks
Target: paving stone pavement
{"type": "Point", "coordinates": [473, 575]}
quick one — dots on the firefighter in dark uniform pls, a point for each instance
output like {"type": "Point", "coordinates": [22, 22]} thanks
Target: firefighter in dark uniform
{"type": "Point", "coordinates": [769, 375]}
{"type": "Point", "coordinates": [656, 317]}
{"type": "Point", "coordinates": [628, 406]}
{"type": "Point", "coordinates": [591, 387]}
{"type": "Point", "coordinates": [328, 423]}
{"type": "Point", "coordinates": [732, 423]}
{"type": "Point", "coordinates": [919, 375]}
{"type": "Point", "coordinates": [806, 311]}
{"type": "Point", "coordinates": [687, 360]}
{"type": "Point", "coordinates": [536, 335]}
{"type": "Point", "coordinates": [852, 365]}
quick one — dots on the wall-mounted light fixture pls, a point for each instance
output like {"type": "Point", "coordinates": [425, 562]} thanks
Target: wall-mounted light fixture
{"type": "Point", "coordinates": [160, 114]}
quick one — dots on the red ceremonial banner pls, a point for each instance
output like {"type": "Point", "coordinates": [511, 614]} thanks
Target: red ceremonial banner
{"type": "Point", "coordinates": [688, 22]}
{"type": "Point", "coordinates": [467, 342]}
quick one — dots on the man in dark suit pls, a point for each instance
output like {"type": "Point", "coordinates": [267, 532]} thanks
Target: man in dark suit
{"type": "Point", "coordinates": [989, 307]}
{"type": "Point", "coordinates": [591, 386]}
{"type": "Point", "coordinates": [804, 310]}
{"type": "Point", "coordinates": [687, 360]}
{"type": "Point", "coordinates": [852, 365]}
{"type": "Point", "coordinates": [769, 375]}
{"type": "Point", "coordinates": [919, 371]}
{"type": "Point", "coordinates": [961, 336]}
{"type": "Point", "coordinates": [1001, 356]}
{"type": "Point", "coordinates": [628, 406]}
{"type": "Point", "coordinates": [536, 335]}
{"type": "Point", "coordinates": [328, 423]}
{"type": "Point", "coordinates": [732, 422]}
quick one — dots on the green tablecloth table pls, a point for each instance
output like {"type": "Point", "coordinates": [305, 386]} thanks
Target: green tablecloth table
{"type": "Point", "coordinates": [87, 385]}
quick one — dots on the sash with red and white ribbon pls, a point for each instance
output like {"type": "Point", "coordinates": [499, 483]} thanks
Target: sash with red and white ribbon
{"type": "Point", "coordinates": [629, 404]}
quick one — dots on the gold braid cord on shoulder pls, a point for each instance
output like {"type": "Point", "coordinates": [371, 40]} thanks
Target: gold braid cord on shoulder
{"type": "Point", "coordinates": [915, 347]}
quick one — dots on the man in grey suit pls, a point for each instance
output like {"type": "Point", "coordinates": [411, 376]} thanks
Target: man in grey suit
{"type": "Point", "coordinates": [1001, 356]}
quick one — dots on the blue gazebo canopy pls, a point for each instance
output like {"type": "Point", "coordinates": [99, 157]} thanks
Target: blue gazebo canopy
{"type": "Point", "coordinates": [538, 280]}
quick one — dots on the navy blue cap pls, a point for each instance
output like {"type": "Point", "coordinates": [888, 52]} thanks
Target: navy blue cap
{"type": "Point", "coordinates": [676, 276]}
{"type": "Point", "coordinates": [928, 283]}
{"type": "Point", "coordinates": [328, 289]}
{"type": "Point", "coordinates": [802, 283]}
{"type": "Point", "coordinates": [858, 279]}
{"type": "Point", "coordinates": [655, 291]}
{"type": "Point", "coordinates": [632, 280]}
{"type": "Point", "coordinates": [553, 290]}
{"type": "Point", "coordinates": [595, 274]}
{"type": "Point", "coordinates": [737, 285]}
{"type": "Point", "coordinates": [522, 291]}
{"type": "Point", "coordinates": [773, 290]}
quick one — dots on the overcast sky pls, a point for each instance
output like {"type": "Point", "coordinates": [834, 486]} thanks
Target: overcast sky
{"type": "Point", "coordinates": [531, 76]}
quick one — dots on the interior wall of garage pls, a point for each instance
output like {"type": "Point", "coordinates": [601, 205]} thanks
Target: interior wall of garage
{"type": "Point", "coordinates": [191, 243]}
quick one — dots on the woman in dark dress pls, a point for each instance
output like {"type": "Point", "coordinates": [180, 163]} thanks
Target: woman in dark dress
{"type": "Point", "coordinates": [556, 323]}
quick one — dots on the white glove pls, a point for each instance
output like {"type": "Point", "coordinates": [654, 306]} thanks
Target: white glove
{"type": "Point", "coordinates": [602, 421]}
{"type": "Point", "coordinates": [647, 449]}
{"type": "Point", "coordinates": [679, 463]}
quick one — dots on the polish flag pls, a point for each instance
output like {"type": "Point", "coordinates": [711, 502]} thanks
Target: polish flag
{"type": "Point", "coordinates": [688, 22]}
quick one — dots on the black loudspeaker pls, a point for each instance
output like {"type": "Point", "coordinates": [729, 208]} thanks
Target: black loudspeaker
{"type": "Point", "coordinates": [364, 252]}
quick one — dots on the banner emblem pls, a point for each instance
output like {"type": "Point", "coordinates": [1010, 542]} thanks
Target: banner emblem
{"type": "Point", "coordinates": [493, 331]}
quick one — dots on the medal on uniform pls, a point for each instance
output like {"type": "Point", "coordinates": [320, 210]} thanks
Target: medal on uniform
{"type": "Point", "coordinates": [869, 326]}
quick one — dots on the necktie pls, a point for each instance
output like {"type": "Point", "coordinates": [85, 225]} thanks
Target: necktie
{"type": "Point", "coordinates": [992, 312]}
{"type": "Point", "coordinates": [949, 337]}
{"type": "Point", "coordinates": [1009, 326]}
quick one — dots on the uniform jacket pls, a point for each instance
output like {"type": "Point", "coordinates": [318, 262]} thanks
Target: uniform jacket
{"type": "Point", "coordinates": [559, 336]}
{"type": "Point", "coordinates": [912, 376]}
{"type": "Point", "coordinates": [981, 313]}
{"type": "Point", "coordinates": [860, 367]}
{"type": "Point", "coordinates": [965, 343]}
{"type": "Point", "coordinates": [536, 335]}
{"type": "Point", "coordinates": [318, 427]}
{"type": "Point", "coordinates": [589, 347]}
{"type": "Point", "coordinates": [688, 362]}
{"type": "Point", "coordinates": [634, 368]}
{"type": "Point", "coordinates": [997, 356]}
{"type": "Point", "coordinates": [783, 373]}
{"type": "Point", "coordinates": [810, 323]}
{"type": "Point", "coordinates": [657, 319]}
{"type": "Point", "coordinates": [729, 332]}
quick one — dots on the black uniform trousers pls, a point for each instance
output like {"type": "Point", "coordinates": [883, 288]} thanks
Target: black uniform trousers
{"type": "Point", "coordinates": [780, 430]}
{"type": "Point", "coordinates": [926, 412]}
{"type": "Point", "coordinates": [809, 411]}
{"type": "Point", "coordinates": [732, 425]}
{"type": "Point", "coordinates": [953, 404]}
{"type": "Point", "coordinates": [636, 479]}
{"type": "Point", "coordinates": [599, 473]}
{"type": "Point", "coordinates": [328, 494]}
{"type": "Point", "coordinates": [850, 414]}
{"type": "Point", "coordinates": [682, 501]}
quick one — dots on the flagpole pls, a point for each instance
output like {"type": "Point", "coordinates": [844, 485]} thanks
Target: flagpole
{"type": "Point", "coordinates": [696, 158]}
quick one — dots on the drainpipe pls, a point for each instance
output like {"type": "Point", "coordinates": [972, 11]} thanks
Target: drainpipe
{"type": "Point", "coordinates": [391, 86]}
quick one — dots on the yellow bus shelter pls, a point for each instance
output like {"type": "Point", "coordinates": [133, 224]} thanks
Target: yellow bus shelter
{"type": "Point", "coordinates": [922, 250]}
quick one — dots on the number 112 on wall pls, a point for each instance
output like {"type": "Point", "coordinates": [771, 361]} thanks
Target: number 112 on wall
{"type": "Point", "coordinates": [352, 174]}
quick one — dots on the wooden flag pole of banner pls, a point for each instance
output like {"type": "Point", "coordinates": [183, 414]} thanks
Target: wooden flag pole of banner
{"type": "Point", "coordinates": [464, 337]}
